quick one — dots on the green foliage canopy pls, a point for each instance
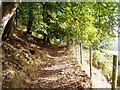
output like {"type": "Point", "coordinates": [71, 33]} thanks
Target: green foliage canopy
{"type": "Point", "coordinates": [87, 22]}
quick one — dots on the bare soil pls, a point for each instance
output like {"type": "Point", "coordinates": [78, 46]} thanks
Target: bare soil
{"type": "Point", "coordinates": [28, 63]}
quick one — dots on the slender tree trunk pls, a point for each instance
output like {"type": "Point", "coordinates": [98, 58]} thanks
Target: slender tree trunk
{"type": "Point", "coordinates": [90, 60]}
{"type": "Point", "coordinates": [30, 20]}
{"type": "Point", "coordinates": [45, 39]}
{"type": "Point", "coordinates": [7, 19]}
{"type": "Point", "coordinates": [8, 29]}
{"type": "Point", "coordinates": [81, 53]}
{"type": "Point", "coordinates": [16, 17]}
{"type": "Point", "coordinates": [68, 43]}
{"type": "Point", "coordinates": [114, 72]}
{"type": "Point", "coordinates": [48, 36]}
{"type": "Point", "coordinates": [46, 19]}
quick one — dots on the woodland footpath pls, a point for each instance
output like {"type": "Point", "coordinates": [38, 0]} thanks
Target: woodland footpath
{"type": "Point", "coordinates": [59, 44]}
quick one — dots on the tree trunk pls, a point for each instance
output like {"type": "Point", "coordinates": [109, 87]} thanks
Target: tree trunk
{"type": "Point", "coordinates": [81, 53]}
{"type": "Point", "coordinates": [46, 19]}
{"type": "Point", "coordinates": [7, 12]}
{"type": "Point", "coordinates": [114, 72]}
{"type": "Point", "coordinates": [67, 43]}
{"type": "Point", "coordinates": [8, 29]}
{"type": "Point", "coordinates": [90, 60]}
{"type": "Point", "coordinates": [16, 19]}
{"type": "Point", "coordinates": [30, 20]}
{"type": "Point", "coordinates": [48, 36]}
{"type": "Point", "coordinates": [48, 39]}
{"type": "Point", "coordinates": [45, 39]}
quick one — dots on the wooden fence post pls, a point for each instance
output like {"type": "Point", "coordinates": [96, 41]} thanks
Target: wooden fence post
{"type": "Point", "coordinates": [90, 60]}
{"type": "Point", "coordinates": [114, 72]}
{"type": "Point", "coordinates": [81, 53]}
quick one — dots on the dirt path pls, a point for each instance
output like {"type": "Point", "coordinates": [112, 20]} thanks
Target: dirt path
{"type": "Point", "coordinates": [50, 66]}
{"type": "Point", "coordinates": [98, 80]}
{"type": "Point", "coordinates": [61, 72]}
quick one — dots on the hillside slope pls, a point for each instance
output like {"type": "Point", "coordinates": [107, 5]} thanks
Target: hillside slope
{"type": "Point", "coordinates": [27, 62]}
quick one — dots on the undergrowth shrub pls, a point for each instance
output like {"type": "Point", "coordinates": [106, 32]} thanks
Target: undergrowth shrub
{"type": "Point", "coordinates": [104, 63]}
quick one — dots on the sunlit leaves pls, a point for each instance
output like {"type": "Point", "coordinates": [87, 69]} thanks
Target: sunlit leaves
{"type": "Point", "coordinates": [85, 22]}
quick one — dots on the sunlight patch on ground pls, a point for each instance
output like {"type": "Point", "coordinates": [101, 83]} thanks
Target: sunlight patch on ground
{"type": "Point", "coordinates": [98, 80]}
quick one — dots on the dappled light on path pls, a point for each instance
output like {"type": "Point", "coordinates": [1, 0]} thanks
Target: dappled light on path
{"type": "Point", "coordinates": [98, 80]}
{"type": "Point", "coordinates": [36, 65]}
